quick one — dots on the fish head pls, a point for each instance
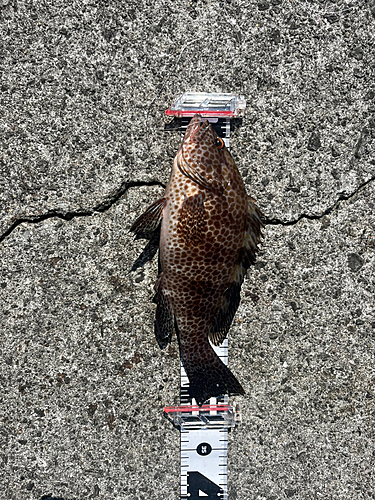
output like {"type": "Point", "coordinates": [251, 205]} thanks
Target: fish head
{"type": "Point", "coordinates": [202, 154]}
{"type": "Point", "coordinates": [201, 142]}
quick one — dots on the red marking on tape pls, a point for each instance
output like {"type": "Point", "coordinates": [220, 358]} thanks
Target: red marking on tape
{"type": "Point", "coordinates": [202, 112]}
{"type": "Point", "coordinates": [190, 408]}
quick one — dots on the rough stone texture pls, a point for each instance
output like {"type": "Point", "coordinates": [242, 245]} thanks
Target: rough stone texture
{"type": "Point", "coordinates": [305, 350]}
{"type": "Point", "coordinates": [83, 89]}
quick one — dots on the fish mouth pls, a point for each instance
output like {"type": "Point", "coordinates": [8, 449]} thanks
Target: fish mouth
{"type": "Point", "coordinates": [197, 124]}
{"type": "Point", "coordinates": [202, 125]}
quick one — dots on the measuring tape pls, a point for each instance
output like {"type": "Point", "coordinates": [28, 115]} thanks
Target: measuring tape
{"type": "Point", "coordinates": [204, 429]}
{"type": "Point", "coordinates": [203, 440]}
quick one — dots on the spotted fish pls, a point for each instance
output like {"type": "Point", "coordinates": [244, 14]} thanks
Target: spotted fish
{"type": "Point", "coordinates": [209, 233]}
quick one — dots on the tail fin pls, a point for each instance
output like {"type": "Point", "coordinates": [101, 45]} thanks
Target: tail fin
{"type": "Point", "coordinates": [209, 376]}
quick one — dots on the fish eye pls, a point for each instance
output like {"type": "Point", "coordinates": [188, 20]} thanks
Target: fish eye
{"type": "Point", "coordinates": [219, 143]}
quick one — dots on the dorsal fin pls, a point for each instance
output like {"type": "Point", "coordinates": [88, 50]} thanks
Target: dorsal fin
{"type": "Point", "coordinates": [224, 318]}
{"type": "Point", "coordinates": [253, 233]}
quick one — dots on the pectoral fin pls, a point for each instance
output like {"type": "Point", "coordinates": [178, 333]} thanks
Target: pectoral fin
{"type": "Point", "coordinates": [149, 251]}
{"type": "Point", "coordinates": [147, 226]}
{"type": "Point", "coordinates": [192, 220]}
{"type": "Point", "coordinates": [149, 221]}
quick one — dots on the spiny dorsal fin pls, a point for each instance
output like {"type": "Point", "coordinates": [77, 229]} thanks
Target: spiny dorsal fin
{"type": "Point", "coordinates": [252, 235]}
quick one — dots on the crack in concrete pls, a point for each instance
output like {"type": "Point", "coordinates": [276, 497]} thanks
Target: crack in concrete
{"type": "Point", "coordinates": [329, 210]}
{"type": "Point", "coordinates": [102, 207]}
{"type": "Point", "coordinates": [106, 205]}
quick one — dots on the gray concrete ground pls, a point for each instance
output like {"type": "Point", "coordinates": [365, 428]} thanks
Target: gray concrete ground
{"type": "Point", "coordinates": [84, 86]}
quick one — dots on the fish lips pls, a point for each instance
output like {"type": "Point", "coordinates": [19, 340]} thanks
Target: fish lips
{"type": "Point", "coordinates": [197, 123]}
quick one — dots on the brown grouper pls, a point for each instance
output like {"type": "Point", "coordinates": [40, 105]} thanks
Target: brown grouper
{"type": "Point", "coordinates": [209, 234]}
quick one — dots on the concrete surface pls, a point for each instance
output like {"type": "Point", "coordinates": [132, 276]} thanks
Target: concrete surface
{"type": "Point", "coordinates": [84, 86]}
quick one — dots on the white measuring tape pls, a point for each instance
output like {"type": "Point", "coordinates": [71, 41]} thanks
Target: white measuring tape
{"type": "Point", "coordinates": [203, 440]}
{"type": "Point", "coordinates": [204, 430]}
